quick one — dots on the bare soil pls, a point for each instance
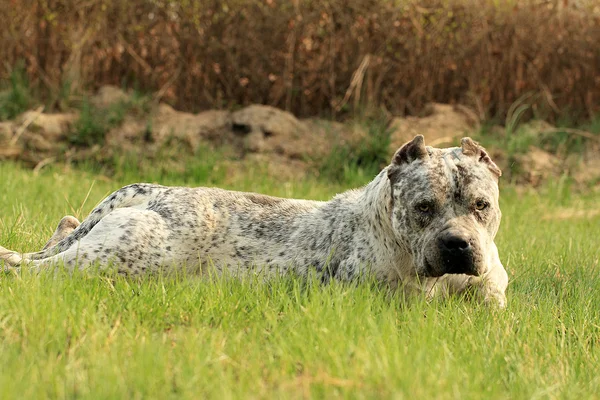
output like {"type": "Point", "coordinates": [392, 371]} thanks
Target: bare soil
{"type": "Point", "coordinates": [283, 144]}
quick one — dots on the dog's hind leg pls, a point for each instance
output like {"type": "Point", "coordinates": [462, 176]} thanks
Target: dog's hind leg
{"type": "Point", "coordinates": [11, 258]}
{"type": "Point", "coordinates": [65, 227]}
{"type": "Point", "coordinates": [71, 258]}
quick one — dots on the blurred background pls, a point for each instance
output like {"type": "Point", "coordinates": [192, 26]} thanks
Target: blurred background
{"type": "Point", "coordinates": [302, 88]}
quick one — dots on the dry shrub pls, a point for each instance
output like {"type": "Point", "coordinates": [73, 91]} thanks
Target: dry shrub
{"type": "Point", "coordinates": [313, 57]}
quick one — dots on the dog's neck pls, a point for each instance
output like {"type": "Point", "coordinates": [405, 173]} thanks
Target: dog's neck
{"type": "Point", "coordinates": [376, 202]}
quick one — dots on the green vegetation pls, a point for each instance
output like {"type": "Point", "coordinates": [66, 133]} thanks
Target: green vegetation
{"type": "Point", "coordinates": [349, 161]}
{"type": "Point", "coordinates": [99, 336]}
{"type": "Point", "coordinates": [94, 122]}
{"type": "Point", "coordinates": [15, 93]}
{"type": "Point", "coordinates": [92, 125]}
{"type": "Point", "coordinates": [400, 55]}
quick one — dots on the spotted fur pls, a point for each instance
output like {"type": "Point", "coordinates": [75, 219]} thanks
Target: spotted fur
{"type": "Point", "coordinates": [377, 229]}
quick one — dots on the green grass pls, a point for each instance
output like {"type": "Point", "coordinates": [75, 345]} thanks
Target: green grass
{"type": "Point", "coordinates": [99, 336]}
{"type": "Point", "coordinates": [94, 122]}
{"type": "Point", "coordinates": [369, 155]}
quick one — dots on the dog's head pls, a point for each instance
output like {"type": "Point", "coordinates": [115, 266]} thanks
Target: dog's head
{"type": "Point", "coordinates": [445, 206]}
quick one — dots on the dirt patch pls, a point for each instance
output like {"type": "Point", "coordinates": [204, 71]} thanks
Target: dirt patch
{"type": "Point", "coordinates": [538, 165]}
{"type": "Point", "coordinates": [108, 95]}
{"type": "Point", "coordinates": [211, 125]}
{"type": "Point", "coordinates": [262, 135]}
{"type": "Point", "coordinates": [588, 167]}
{"type": "Point", "coordinates": [48, 126]}
{"type": "Point", "coordinates": [6, 132]}
{"type": "Point", "coordinates": [253, 130]}
{"type": "Point", "coordinates": [441, 125]}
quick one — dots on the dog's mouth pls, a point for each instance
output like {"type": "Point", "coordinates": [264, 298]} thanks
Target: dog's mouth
{"type": "Point", "coordinates": [429, 271]}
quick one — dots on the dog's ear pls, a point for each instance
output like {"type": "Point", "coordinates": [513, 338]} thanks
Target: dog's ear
{"type": "Point", "coordinates": [473, 149]}
{"type": "Point", "coordinates": [409, 152]}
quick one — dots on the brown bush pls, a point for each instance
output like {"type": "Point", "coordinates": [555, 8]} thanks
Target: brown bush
{"type": "Point", "coordinates": [313, 57]}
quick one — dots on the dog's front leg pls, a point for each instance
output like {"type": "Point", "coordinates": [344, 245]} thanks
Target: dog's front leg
{"type": "Point", "coordinates": [494, 282]}
{"type": "Point", "coordinates": [490, 288]}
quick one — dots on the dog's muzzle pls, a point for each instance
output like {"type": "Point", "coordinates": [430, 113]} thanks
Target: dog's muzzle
{"type": "Point", "coordinates": [456, 254]}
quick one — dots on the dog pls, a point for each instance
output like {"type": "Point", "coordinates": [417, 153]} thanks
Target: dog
{"type": "Point", "coordinates": [426, 222]}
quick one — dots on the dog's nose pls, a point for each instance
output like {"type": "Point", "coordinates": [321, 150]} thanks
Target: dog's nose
{"type": "Point", "coordinates": [456, 253]}
{"type": "Point", "coordinates": [455, 243]}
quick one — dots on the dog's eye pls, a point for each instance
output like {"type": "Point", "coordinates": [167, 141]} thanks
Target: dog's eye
{"type": "Point", "coordinates": [481, 205]}
{"type": "Point", "coordinates": [424, 207]}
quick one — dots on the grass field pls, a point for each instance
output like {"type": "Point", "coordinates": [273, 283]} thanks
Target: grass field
{"type": "Point", "coordinates": [94, 336]}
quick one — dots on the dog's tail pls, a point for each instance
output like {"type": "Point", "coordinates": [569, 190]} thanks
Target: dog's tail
{"type": "Point", "coordinates": [127, 196]}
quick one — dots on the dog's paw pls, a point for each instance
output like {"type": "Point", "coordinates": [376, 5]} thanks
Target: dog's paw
{"type": "Point", "coordinates": [495, 299]}
{"type": "Point", "coordinates": [486, 292]}
{"type": "Point", "coordinates": [492, 295]}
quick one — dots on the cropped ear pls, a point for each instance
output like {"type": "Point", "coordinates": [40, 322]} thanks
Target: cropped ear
{"type": "Point", "coordinates": [471, 148]}
{"type": "Point", "coordinates": [409, 152]}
